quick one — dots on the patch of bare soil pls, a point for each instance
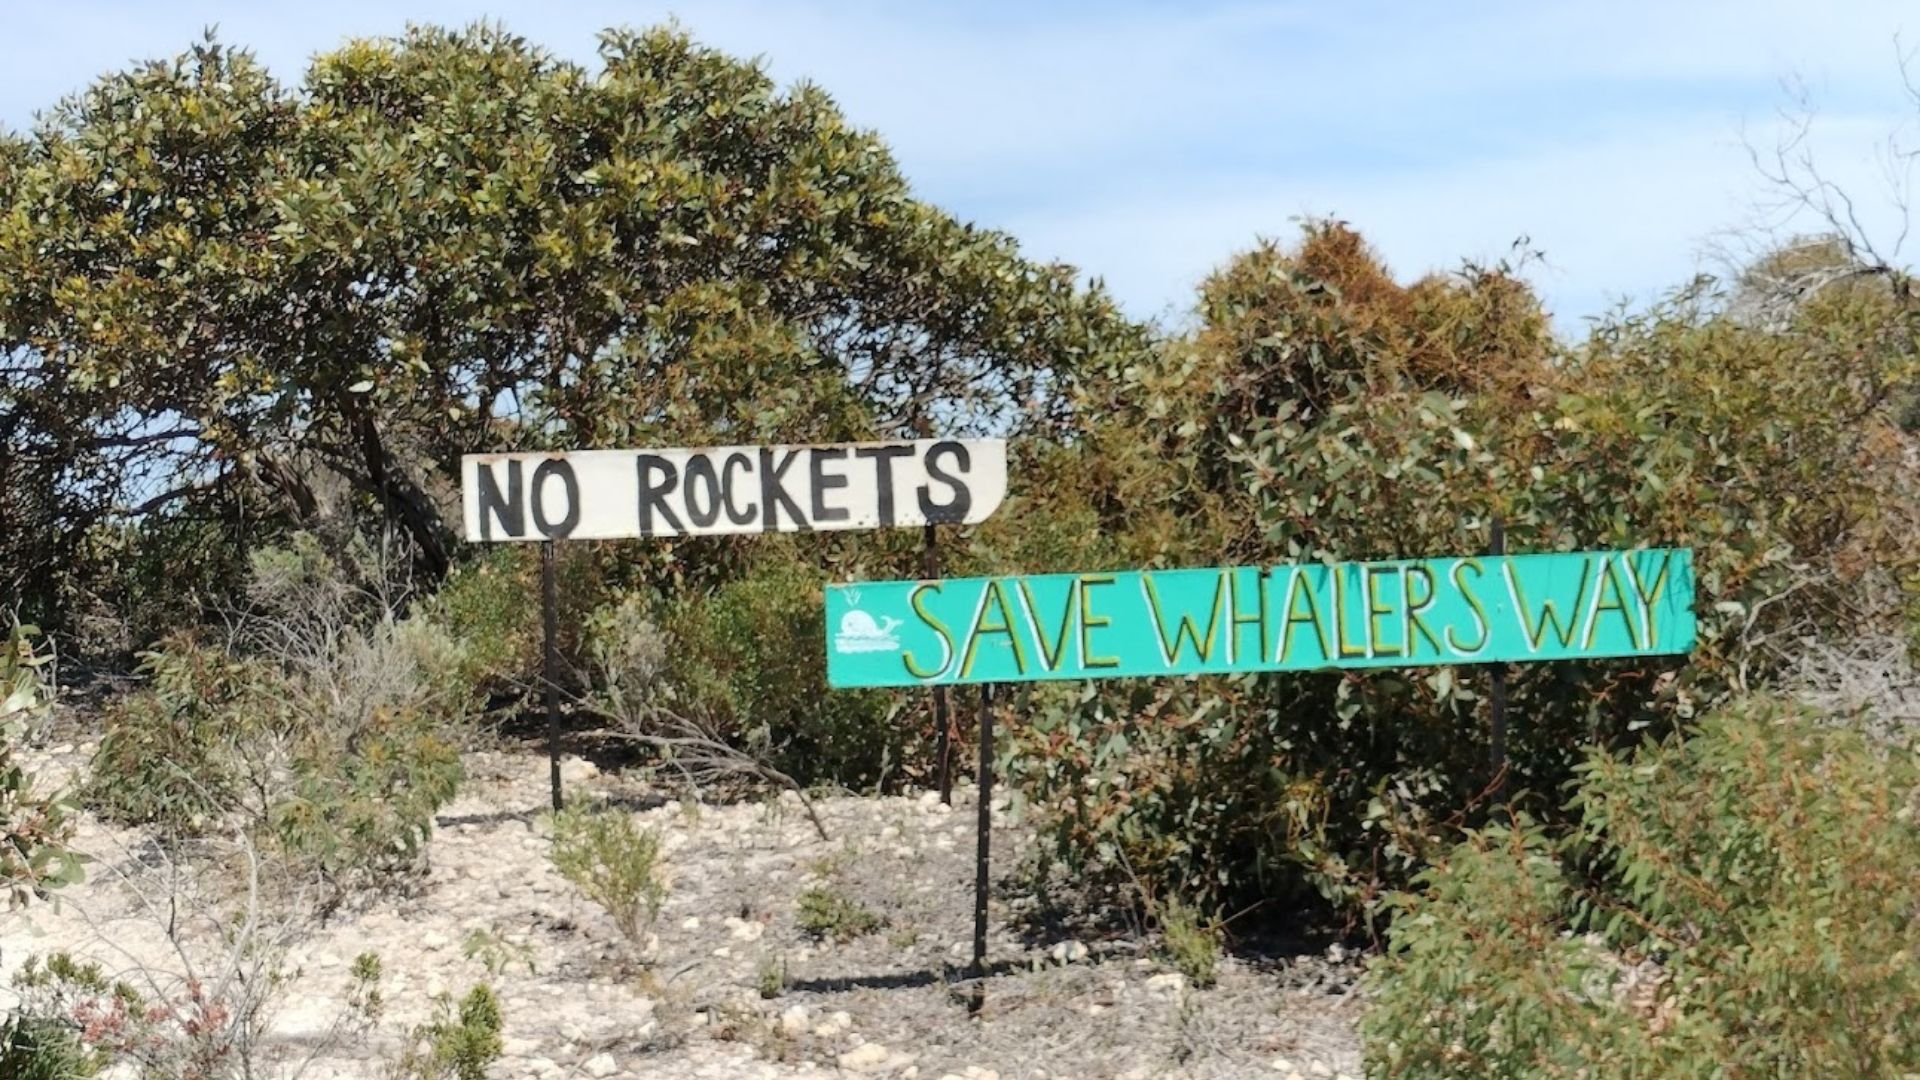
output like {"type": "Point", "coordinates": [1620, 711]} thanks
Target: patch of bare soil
{"type": "Point", "coordinates": [580, 1001]}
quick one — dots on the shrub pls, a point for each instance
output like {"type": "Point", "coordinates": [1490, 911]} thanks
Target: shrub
{"type": "Point", "coordinates": [1739, 903]}
{"type": "Point", "coordinates": [168, 756]}
{"type": "Point", "coordinates": [1322, 411]}
{"type": "Point", "coordinates": [823, 913]}
{"type": "Point", "coordinates": [458, 1044]}
{"type": "Point", "coordinates": [367, 807]}
{"type": "Point", "coordinates": [34, 827]}
{"type": "Point", "coordinates": [1191, 942]}
{"type": "Point", "coordinates": [770, 978]}
{"type": "Point", "coordinates": [321, 725]}
{"type": "Point", "coordinates": [749, 656]}
{"type": "Point", "coordinates": [615, 863]}
{"type": "Point", "coordinates": [490, 609]}
{"type": "Point", "coordinates": [39, 1048]}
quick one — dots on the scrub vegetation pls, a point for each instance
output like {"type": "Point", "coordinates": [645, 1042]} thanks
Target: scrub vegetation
{"type": "Point", "coordinates": [247, 330]}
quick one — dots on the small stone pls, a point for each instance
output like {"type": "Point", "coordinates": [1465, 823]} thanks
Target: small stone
{"type": "Point", "coordinates": [795, 1021]}
{"type": "Point", "coordinates": [723, 952]}
{"type": "Point", "coordinates": [1171, 982]}
{"type": "Point", "coordinates": [1319, 1068]}
{"type": "Point", "coordinates": [434, 941]}
{"type": "Point", "coordinates": [543, 1066]}
{"type": "Point", "coordinates": [865, 1058]}
{"type": "Point", "coordinates": [746, 929]}
{"type": "Point", "coordinates": [691, 922]}
{"type": "Point", "coordinates": [518, 1048]}
{"type": "Point", "coordinates": [1280, 1064]}
{"type": "Point", "coordinates": [1069, 952]}
{"type": "Point", "coordinates": [834, 1024]}
{"type": "Point", "coordinates": [602, 1065]}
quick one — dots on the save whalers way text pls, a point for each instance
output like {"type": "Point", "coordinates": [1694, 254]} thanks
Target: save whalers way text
{"type": "Point", "coordinates": [1467, 610]}
{"type": "Point", "coordinates": [607, 494]}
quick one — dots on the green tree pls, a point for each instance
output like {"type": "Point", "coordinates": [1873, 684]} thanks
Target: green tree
{"type": "Point", "coordinates": [214, 288]}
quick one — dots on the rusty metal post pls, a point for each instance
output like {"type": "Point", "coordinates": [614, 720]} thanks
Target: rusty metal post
{"type": "Point", "coordinates": [982, 859]}
{"type": "Point", "coordinates": [549, 620]}
{"type": "Point", "coordinates": [1497, 696]}
{"type": "Point", "coordinates": [942, 721]}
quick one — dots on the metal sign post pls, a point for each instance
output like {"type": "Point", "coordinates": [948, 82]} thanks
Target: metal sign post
{"type": "Point", "coordinates": [611, 494]}
{"type": "Point", "coordinates": [983, 850]}
{"type": "Point", "coordinates": [1497, 692]}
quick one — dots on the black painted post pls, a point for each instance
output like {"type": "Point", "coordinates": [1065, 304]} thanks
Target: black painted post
{"type": "Point", "coordinates": [1497, 698]}
{"type": "Point", "coordinates": [549, 619]}
{"type": "Point", "coordinates": [982, 859]}
{"type": "Point", "coordinates": [942, 724]}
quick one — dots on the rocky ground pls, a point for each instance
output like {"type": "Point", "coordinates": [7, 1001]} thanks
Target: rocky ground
{"type": "Point", "coordinates": [580, 1001]}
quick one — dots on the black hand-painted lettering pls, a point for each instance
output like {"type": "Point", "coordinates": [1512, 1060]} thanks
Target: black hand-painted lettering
{"type": "Point", "coordinates": [883, 457]}
{"type": "Point", "coordinates": [700, 475]}
{"type": "Point", "coordinates": [954, 509]}
{"type": "Point", "coordinates": [510, 509]}
{"type": "Point", "coordinates": [658, 478]}
{"type": "Point", "coordinates": [555, 530]}
{"type": "Point", "coordinates": [824, 481]}
{"type": "Point", "coordinates": [773, 495]}
{"type": "Point", "coordinates": [739, 515]}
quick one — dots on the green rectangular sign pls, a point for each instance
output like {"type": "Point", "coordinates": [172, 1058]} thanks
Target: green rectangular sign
{"type": "Point", "coordinates": [1469, 610]}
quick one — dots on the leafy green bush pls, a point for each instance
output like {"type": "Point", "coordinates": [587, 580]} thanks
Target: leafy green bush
{"type": "Point", "coordinates": [1737, 903]}
{"type": "Point", "coordinates": [1190, 941]}
{"type": "Point", "coordinates": [1322, 410]}
{"type": "Point", "coordinates": [749, 656]}
{"type": "Point", "coordinates": [168, 756]}
{"type": "Point", "coordinates": [614, 862]}
{"type": "Point", "coordinates": [458, 1044]}
{"type": "Point", "coordinates": [34, 827]}
{"type": "Point", "coordinates": [39, 1048]}
{"type": "Point", "coordinates": [829, 913]}
{"type": "Point", "coordinates": [490, 608]}
{"type": "Point", "coordinates": [323, 725]}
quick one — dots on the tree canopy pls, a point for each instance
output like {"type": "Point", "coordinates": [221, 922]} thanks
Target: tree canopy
{"type": "Point", "coordinates": [220, 294]}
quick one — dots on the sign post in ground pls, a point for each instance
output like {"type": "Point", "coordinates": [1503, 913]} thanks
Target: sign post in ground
{"type": "Point", "coordinates": [620, 494]}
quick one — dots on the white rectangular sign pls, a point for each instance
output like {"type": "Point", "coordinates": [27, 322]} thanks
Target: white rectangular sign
{"type": "Point", "coordinates": [608, 494]}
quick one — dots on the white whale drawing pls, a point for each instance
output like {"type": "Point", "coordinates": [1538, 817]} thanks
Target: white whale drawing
{"type": "Point", "coordinates": [859, 633]}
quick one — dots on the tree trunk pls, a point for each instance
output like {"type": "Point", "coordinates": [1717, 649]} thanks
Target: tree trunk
{"type": "Point", "coordinates": [406, 505]}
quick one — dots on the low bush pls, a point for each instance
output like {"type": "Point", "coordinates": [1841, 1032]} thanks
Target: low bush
{"type": "Point", "coordinates": [749, 657]}
{"type": "Point", "coordinates": [39, 1048]}
{"type": "Point", "coordinates": [825, 913]}
{"type": "Point", "coordinates": [1738, 903]}
{"type": "Point", "coordinates": [324, 725]}
{"type": "Point", "coordinates": [169, 753]}
{"type": "Point", "coordinates": [460, 1043]}
{"type": "Point", "coordinates": [34, 826]}
{"type": "Point", "coordinates": [615, 863]}
{"type": "Point", "coordinates": [1190, 941]}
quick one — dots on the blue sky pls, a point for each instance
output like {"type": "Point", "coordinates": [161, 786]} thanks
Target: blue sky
{"type": "Point", "coordinates": [1145, 143]}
